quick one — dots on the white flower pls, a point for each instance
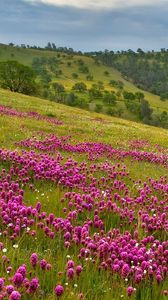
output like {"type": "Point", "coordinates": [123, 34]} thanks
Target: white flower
{"type": "Point", "coordinates": [4, 250]}
{"type": "Point", "coordinates": [126, 279]}
{"type": "Point", "coordinates": [15, 246]}
{"type": "Point", "coordinates": [68, 256]}
{"type": "Point", "coordinates": [144, 271]}
{"type": "Point", "coordinates": [75, 285]}
{"type": "Point", "coordinates": [66, 283]}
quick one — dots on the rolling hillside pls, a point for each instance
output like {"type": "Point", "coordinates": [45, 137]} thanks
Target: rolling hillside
{"type": "Point", "coordinates": [83, 204]}
{"type": "Point", "coordinates": [67, 65]}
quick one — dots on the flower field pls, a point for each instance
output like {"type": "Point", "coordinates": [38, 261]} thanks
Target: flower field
{"type": "Point", "coordinates": [83, 204]}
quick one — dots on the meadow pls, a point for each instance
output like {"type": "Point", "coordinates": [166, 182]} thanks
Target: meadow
{"type": "Point", "coordinates": [83, 204]}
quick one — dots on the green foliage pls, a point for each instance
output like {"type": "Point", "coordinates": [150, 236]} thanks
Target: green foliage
{"type": "Point", "coordinates": [95, 92]}
{"type": "Point", "coordinates": [110, 98]}
{"type": "Point", "coordinates": [80, 87]}
{"type": "Point", "coordinates": [116, 83]}
{"type": "Point", "coordinates": [128, 95]}
{"type": "Point", "coordinates": [58, 87]}
{"type": "Point", "coordinates": [74, 75]}
{"type": "Point", "coordinates": [145, 110]}
{"type": "Point", "coordinates": [17, 78]}
{"type": "Point", "coordinates": [98, 108]}
{"type": "Point", "coordinates": [89, 77]}
{"type": "Point", "coordinates": [106, 73]}
{"type": "Point", "coordinates": [71, 99]}
{"type": "Point", "coordinates": [148, 71]}
{"type": "Point", "coordinates": [83, 69]}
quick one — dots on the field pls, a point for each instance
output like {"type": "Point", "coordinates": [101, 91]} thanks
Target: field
{"type": "Point", "coordinates": [26, 56]}
{"type": "Point", "coordinates": [83, 204]}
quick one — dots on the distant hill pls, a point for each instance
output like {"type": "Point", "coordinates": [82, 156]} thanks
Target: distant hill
{"type": "Point", "coordinates": [104, 89]}
{"type": "Point", "coordinates": [148, 71]}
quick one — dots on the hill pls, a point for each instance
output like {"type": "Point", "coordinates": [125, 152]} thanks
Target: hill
{"type": "Point", "coordinates": [103, 86]}
{"type": "Point", "coordinates": [148, 70]}
{"type": "Point", "coordinates": [83, 207]}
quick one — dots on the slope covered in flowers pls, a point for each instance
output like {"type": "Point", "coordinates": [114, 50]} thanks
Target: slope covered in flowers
{"type": "Point", "coordinates": [83, 204]}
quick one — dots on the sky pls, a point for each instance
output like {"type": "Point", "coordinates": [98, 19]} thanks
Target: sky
{"type": "Point", "coordinates": [86, 25]}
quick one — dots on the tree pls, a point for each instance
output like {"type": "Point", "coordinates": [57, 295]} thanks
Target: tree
{"type": "Point", "coordinates": [109, 98]}
{"type": "Point", "coordinates": [71, 99]}
{"type": "Point", "coordinates": [80, 87]}
{"type": "Point", "coordinates": [139, 95]}
{"type": "Point", "coordinates": [58, 87]}
{"type": "Point", "coordinates": [145, 110]}
{"type": "Point", "coordinates": [17, 78]}
{"type": "Point", "coordinates": [74, 75]}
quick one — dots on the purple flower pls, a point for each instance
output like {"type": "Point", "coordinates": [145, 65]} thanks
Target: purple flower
{"type": "Point", "coordinates": [59, 290]}
{"type": "Point", "coordinates": [1, 283]}
{"type": "Point", "coordinates": [9, 289]}
{"type": "Point", "coordinates": [130, 291]}
{"type": "Point", "coordinates": [15, 296]}
{"type": "Point", "coordinates": [70, 273]}
{"type": "Point", "coordinates": [34, 260]}
{"type": "Point", "coordinates": [18, 279]}
{"type": "Point", "coordinates": [79, 270]}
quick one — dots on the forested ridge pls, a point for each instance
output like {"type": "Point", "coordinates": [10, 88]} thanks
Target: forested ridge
{"type": "Point", "coordinates": [149, 71]}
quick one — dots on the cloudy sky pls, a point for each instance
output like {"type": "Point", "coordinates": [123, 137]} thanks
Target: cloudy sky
{"type": "Point", "coordinates": [86, 24]}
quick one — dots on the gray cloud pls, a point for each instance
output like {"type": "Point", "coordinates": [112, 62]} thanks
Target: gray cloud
{"type": "Point", "coordinates": [84, 29]}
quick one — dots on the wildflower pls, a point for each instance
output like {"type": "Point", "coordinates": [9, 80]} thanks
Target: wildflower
{"type": "Point", "coordinates": [9, 289]}
{"type": "Point", "coordinates": [130, 291]}
{"type": "Point", "coordinates": [1, 283]}
{"type": "Point", "coordinates": [34, 260]}
{"type": "Point", "coordinates": [70, 273]}
{"type": "Point", "coordinates": [18, 279]}
{"type": "Point", "coordinates": [79, 270]}
{"type": "Point", "coordinates": [15, 296]}
{"type": "Point", "coordinates": [59, 290]}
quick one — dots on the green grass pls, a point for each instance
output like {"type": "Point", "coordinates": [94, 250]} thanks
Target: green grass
{"type": "Point", "coordinates": [25, 56]}
{"type": "Point", "coordinates": [82, 126]}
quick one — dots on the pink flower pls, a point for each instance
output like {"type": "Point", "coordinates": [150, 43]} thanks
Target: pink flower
{"type": "Point", "coordinates": [59, 290]}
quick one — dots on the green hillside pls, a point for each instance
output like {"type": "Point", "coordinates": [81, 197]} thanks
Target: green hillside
{"type": "Point", "coordinates": [62, 68]}
{"type": "Point", "coordinates": [75, 187]}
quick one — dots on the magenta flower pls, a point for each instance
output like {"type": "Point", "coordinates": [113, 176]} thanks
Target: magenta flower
{"type": "Point", "coordinates": [70, 273]}
{"type": "Point", "coordinates": [9, 289]}
{"type": "Point", "coordinates": [34, 259]}
{"type": "Point", "coordinates": [130, 291]}
{"type": "Point", "coordinates": [1, 283]}
{"type": "Point", "coordinates": [59, 290]}
{"type": "Point", "coordinates": [15, 296]}
{"type": "Point", "coordinates": [79, 270]}
{"type": "Point", "coordinates": [18, 279]}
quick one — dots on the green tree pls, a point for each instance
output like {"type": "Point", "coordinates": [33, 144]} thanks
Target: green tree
{"type": "Point", "coordinates": [145, 110]}
{"type": "Point", "coordinates": [71, 99]}
{"type": "Point", "coordinates": [75, 75]}
{"type": "Point", "coordinates": [17, 78]}
{"type": "Point", "coordinates": [58, 87]}
{"type": "Point", "coordinates": [109, 98]}
{"type": "Point", "coordinates": [80, 87]}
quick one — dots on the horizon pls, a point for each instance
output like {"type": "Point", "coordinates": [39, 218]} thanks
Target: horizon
{"type": "Point", "coordinates": [86, 25]}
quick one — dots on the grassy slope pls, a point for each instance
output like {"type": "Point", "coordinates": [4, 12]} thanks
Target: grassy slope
{"type": "Point", "coordinates": [83, 126]}
{"type": "Point", "coordinates": [25, 56]}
